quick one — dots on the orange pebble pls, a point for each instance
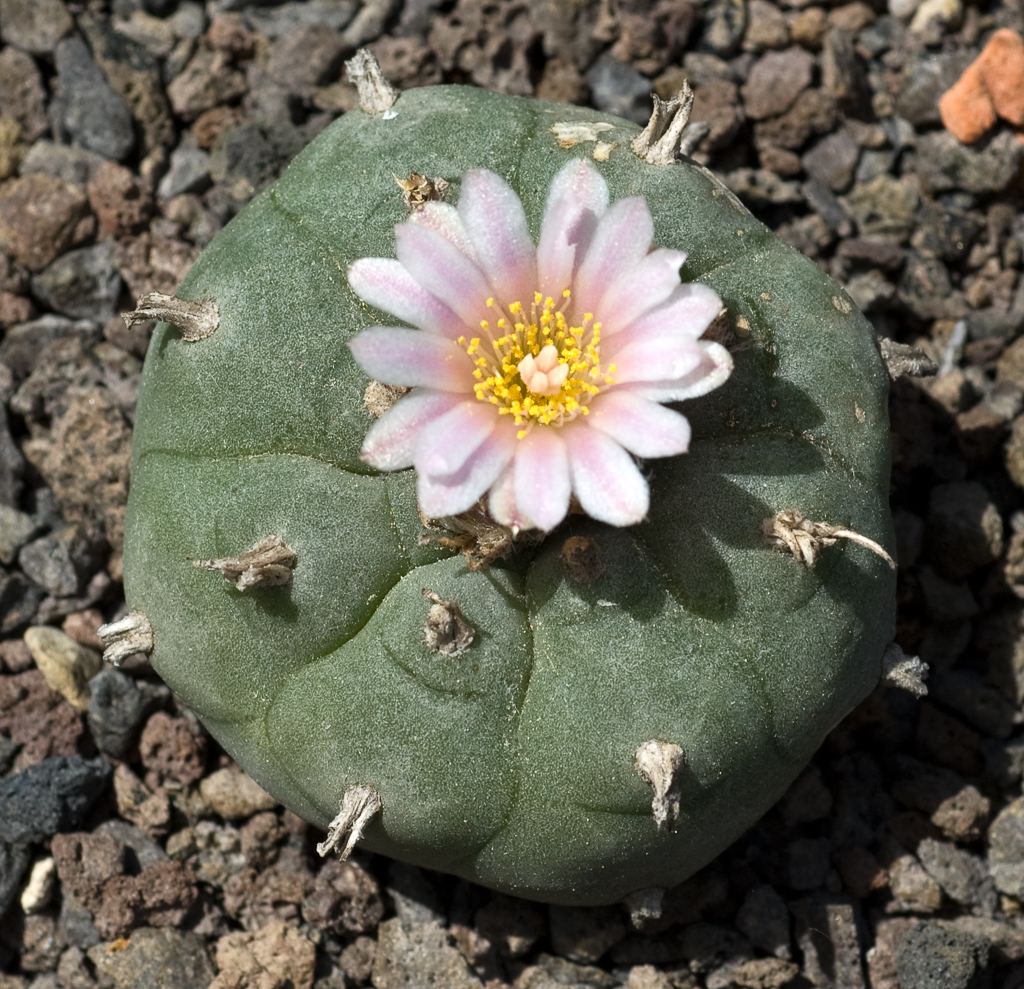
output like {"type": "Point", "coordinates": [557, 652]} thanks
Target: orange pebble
{"type": "Point", "coordinates": [967, 109]}
{"type": "Point", "coordinates": [1002, 67]}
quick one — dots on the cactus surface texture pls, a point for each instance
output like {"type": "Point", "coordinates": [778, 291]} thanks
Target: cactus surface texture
{"type": "Point", "coordinates": [613, 706]}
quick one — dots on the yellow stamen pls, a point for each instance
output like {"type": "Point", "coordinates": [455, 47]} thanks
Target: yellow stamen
{"type": "Point", "coordinates": [542, 370]}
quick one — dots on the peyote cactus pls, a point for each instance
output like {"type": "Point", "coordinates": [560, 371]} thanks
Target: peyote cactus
{"type": "Point", "coordinates": [570, 711]}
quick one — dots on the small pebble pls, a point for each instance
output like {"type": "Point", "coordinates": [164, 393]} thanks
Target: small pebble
{"type": "Point", "coordinates": [67, 665]}
{"type": "Point", "coordinates": [933, 957]}
{"type": "Point", "coordinates": [234, 795]}
{"type": "Point", "coordinates": [90, 111]}
{"type": "Point", "coordinates": [39, 889]}
{"type": "Point", "coordinates": [54, 795]}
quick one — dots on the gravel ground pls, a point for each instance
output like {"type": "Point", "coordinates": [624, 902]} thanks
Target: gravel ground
{"type": "Point", "coordinates": [133, 853]}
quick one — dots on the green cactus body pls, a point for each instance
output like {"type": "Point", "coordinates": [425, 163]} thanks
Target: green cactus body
{"type": "Point", "coordinates": [514, 763]}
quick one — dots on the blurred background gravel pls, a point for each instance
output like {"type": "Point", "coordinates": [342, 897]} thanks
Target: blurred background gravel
{"type": "Point", "coordinates": [133, 853]}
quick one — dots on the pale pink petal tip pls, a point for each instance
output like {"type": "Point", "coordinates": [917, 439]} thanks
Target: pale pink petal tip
{"type": "Point", "coordinates": [391, 442]}
{"type": "Point", "coordinates": [496, 224]}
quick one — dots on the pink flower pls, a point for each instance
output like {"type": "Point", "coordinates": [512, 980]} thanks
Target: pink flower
{"type": "Point", "coordinates": [537, 373]}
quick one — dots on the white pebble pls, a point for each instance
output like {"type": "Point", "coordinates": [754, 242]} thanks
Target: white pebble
{"type": "Point", "coordinates": [39, 890]}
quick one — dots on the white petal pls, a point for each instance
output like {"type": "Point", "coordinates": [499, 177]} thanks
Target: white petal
{"type": "Point", "coordinates": [642, 427]}
{"type": "Point", "coordinates": [443, 218]}
{"type": "Point", "coordinates": [542, 485]}
{"type": "Point", "coordinates": [501, 502]}
{"type": "Point", "coordinates": [458, 492]}
{"type": "Point", "coordinates": [652, 360]}
{"type": "Point", "coordinates": [577, 199]}
{"type": "Point", "coordinates": [714, 368]}
{"type": "Point", "coordinates": [399, 356]}
{"type": "Point", "coordinates": [385, 283]}
{"type": "Point", "coordinates": [621, 239]}
{"type": "Point", "coordinates": [496, 223]}
{"type": "Point", "coordinates": [689, 310]}
{"type": "Point", "coordinates": [450, 440]}
{"type": "Point", "coordinates": [391, 440]}
{"type": "Point", "coordinates": [604, 477]}
{"type": "Point", "coordinates": [639, 289]}
{"type": "Point", "coordinates": [443, 270]}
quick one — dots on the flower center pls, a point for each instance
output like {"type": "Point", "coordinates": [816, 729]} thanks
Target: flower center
{"type": "Point", "coordinates": [537, 368]}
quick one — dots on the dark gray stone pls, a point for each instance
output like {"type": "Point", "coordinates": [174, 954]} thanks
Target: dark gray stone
{"type": "Point", "coordinates": [155, 957]}
{"type": "Point", "coordinates": [833, 160]}
{"type": "Point", "coordinates": [414, 896]}
{"type": "Point", "coordinates": [933, 957]}
{"type": "Point", "coordinates": [12, 466]}
{"type": "Point", "coordinates": [710, 946]}
{"type": "Point", "coordinates": [189, 171]}
{"type": "Point", "coordinates": [1004, 761]}
{"type": "Point", "coordinates": [925, 80]}
{"type": "Point", "coordinates": [134, 75]}
{"type": "Point", "coordinates": [618, 88]}
{"type": "Point", "coordinates": [979, 702]}
{"type": "Point", "coordinates": [67, 162]}
{"type": "Point", "coordinates": [76, 924]}
{"type": "Point", "coordinates": [764, 919]}
{"type": "Point", "coordinates": [159, 8]}
{"type": "Point", "coordinates": [8, 750]}
{"type": "Point", "coordinates": [61, 562]}
{"type": "Point", "coordinates": [924, 285]}
{"type": "Point", "coordinates": [943, 163]}
{"type": "Point", "coordinates": [887, 32]}
{"type": "Point", "coordinates": [984, 324]}
{"type": "Point", "coordinates": [88, 109]}
{"type": "Point", "coordinates": [874, 163]}
{"type": "Point", "coordinates": [14, 860]}
{"type": "Point", "coordinates": [118, 707]}
{"type": "Point", "coordinates": [22, 344]}
{"type": "Point", "coordinates": [142, 851]}
{"type": "Point", "coordinates": [962, 876]}
{"type": "Point", "coordinates": [289, 17]}
{"type": "Point", "coordinates": [964, 530]}
{"type": "Point", "coordinates": [19, 600]}
{"type": "Point", "coordinates": [244, 160]}
{"type": "Point", "coordinates": [882, 206]}
{"type": "Point", "coordinates": [808, 862]}
{"type": "Point", "coordinates": [584, 934]}
{"type": "Point", "coordinates": [82, 284]}
{"type": "Point", "coordinates": [16, 529]}
{"type": "Point", "coordinates": [843, 76]}
{"type": "Point", "coordinates": [54, 795]}
{"type": "Point", "coordinates": [944, 233]}
{"type": "Point", "coordinates": [823, 201]}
